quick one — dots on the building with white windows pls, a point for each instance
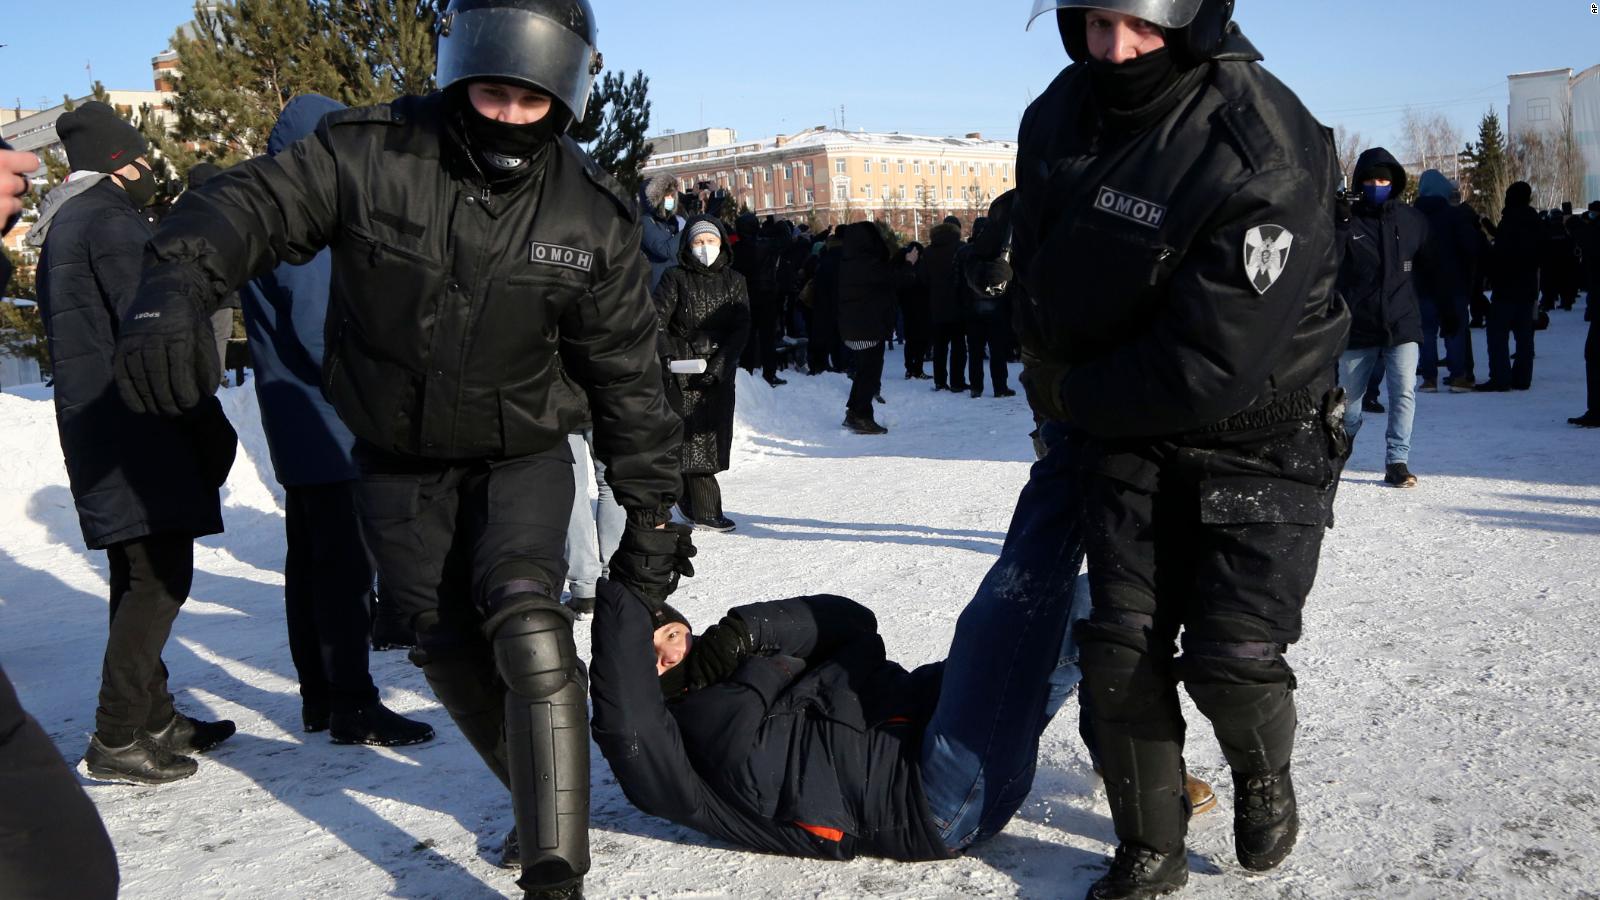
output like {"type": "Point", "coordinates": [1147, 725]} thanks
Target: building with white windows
{"type": "Point", "coordinates": [832, 176]}
{"type": "Point", "coordinates": [1542, 102]}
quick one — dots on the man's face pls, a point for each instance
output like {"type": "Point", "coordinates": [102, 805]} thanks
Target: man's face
{"type": "Point", "coordinates": [508, 103]}
{"type": "Point", "coordinates": [1116, 37]}
{"type": "Point", "coordinates": [1378, 182]}
{"type": "Point", "coordinates": [672, 642]}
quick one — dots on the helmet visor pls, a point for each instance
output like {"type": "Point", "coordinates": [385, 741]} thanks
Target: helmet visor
{"type": "Point", "coordinates": [1163, 13]}
{"type": "Point", "coordinates": [518, 47]}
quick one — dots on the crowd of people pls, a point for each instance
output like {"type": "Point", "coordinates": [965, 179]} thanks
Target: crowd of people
{"type": "Point", "coordinates": [459, 324]}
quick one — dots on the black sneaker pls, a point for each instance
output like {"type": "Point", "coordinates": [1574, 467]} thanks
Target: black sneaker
{"type": "Point", "coordinates": [1372, 406]}
{"type": "Point", "coordinates": [1265, 821]}
{"type": "Point", "coordinates": [1490, 387]}
{"type": "Point", "coordinates": [1005, 392]}
{"type": "Point", "coordinates": [1587, 420]}
{"type": "Point", "coordinates": [566, 890]}
{"type": "Point", "coordinates": [1138, 873]}
{"type": "Point", "coordinates": [775, 381]}
{"type": "Point", "coordinates": [976, 392]}
{"type": "Point", "coordinates": [184, 735]}
{"type": "Point", "coordinates": [314, 717]}
{"type": "Point", "coordinates": [143, 761]}
{"type": "Point", "coordinates": [511, 850]}
{"type": "Point", "coordinates": [377, 725]}
{"type": "Point", "coordinates": [581, 605]}
{"type": "Point", "coordinates": [720, 523]}
{"type": "Point", "coordinates": [961, 388]}
{"type": "Point", "coordinates": [863, 424]}
{"type": "Point", "coordinates": [1397, 475]}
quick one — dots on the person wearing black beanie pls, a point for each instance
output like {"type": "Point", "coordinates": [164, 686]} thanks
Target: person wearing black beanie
{"type": "Point", "coordinates": [1513, 307]}
{"type": "Point", "coordinates": [99, 140]}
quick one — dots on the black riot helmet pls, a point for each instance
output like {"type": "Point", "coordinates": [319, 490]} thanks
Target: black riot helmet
{"type": "Point", "coordinates": [547, 45]}
{"type": "Point", "coordinates": [1194, 28]}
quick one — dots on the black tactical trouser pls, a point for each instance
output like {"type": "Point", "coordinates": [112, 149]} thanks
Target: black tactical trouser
{"type": "Point", "coordinates": [473, 553]}
{"type": "Point", "coordinates": [327, 585]}
{"type": "Point", "coordinates": [150, 580]}
{"type": "Point", "coordinates": [1219, 538]}
{"type": "Point", "coordinates": [53, 845]}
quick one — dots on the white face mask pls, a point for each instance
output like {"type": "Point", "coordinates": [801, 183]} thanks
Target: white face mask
{"type": "Point", "coordinates": [706, 253]}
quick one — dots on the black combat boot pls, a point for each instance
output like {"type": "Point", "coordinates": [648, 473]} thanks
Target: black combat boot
{"type": "Point", "coordinates": [184, 735]}
{"type": "Point", "coordinates": [143, 761]}
{"type": "Point", "coordinates": [1139, 872]}
{"type": "Point", "coordinates": [314, 717]}
{"type": "Point", "coordinates": [1265, 822]}
{"type": "Point", "coordinates": [379, 726]}
{"type": "Point", "coordinates": [863, 424]}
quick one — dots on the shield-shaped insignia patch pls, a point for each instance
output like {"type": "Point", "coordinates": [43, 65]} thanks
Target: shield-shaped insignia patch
{"type": "Point", "coordinates": [1266, 255]}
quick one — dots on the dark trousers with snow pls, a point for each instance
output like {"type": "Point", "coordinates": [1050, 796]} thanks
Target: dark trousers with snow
{"type": "Point", "coordinates": [1220, 539]}
{"type": "Point", "coordinates": [473, 553]}
{"type": "Point", "coordinates": [1511, 319]}
{"type": "Point", "coordinates": [866, 382]}
{"type": "Point", "coordinates": [950, 356]}
{"type": "Point", "coordinates": [327, 585]}
{"type": "Point", "coordinates": [150, 580]}
{"type": "Point", "coordinates": [991, 335]}
{"type": "Point", "coordinates": [53, 845]}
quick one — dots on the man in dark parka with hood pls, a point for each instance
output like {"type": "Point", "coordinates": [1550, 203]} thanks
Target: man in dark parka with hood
{"type": "Point", "coordinates": [1174, 236]}
{"type": "Point", "coordinates": [1514, 302]}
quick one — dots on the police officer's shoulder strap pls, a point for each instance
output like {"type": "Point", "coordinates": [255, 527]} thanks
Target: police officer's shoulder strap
{"type": "Point", "coordinates": [381, 114]}
{"type": "Point", "coordinates": [603, 181]}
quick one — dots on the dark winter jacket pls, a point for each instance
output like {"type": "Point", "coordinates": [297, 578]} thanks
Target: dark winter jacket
{"type": "Point", "coordinates": [1456, 249]}
{"type": "Point", "coordinates": [1180, 263]}
{"type": "Point", "coordinates": [825, 291]}
{"type": "Point", "coordinates": [131, 475]}
{"type": "Point", "coordinates": [1517, 242]}
{"type": "Point", "coordinates": [913, 292]}
{"type": "Point", "coordinates": [1384, 255]}
{"type": "Point", "coordinates": [659, 240]}
{"type": "Point", "coordinates": [810, 748]}
{"type": "Point", "coordinates": [455, 307]}
{"type": "Point", "coordinates": [867, 284]}
{"type": "Point", "coordinates": [939, 274]}
{"type": "Point", "coordinates": [704, 313]}
{"type": "Point", "coordinates": [756, 259]}
{"type": "Point", "coordinates": [285, 313]}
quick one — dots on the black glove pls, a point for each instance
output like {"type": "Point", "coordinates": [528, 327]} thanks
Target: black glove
{"type": "Point", "coordinates": [1342, 211]}
{"type": "Point", "coordinates": [705, 381]}
{"type": "Point", "coordinates": [1041, 380]}
{"type": "Point", "coordinates": [166, 359]}
{"type": "Point", "coordinates": [712, 657]}
{"type": "Point", "coordinates": [649, 561]}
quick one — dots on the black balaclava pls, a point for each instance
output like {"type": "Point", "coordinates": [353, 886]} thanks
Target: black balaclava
{"type": "Point", "coordinates": [141, 192]}
{"type": "Point", "coordinates": [1131, 85]}
{"type": "Point", "coordinates": [507, 152]}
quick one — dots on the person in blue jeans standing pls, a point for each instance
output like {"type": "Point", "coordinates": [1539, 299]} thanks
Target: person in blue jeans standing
{"type": "Point", "coordinates": [813, 743]}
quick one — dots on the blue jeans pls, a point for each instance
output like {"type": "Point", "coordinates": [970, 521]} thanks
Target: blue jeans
{"type": "Point", "coordinates": [1400, 371]}
{"type": "Point", "coordinates": [594, 529]}
{"type": "Point", "coordinates": [1012, 663]}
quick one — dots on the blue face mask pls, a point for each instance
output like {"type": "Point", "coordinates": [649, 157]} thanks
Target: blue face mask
{"type": "Point", "coordinates": [669, 204]}
{"type": "Point", "coordinates": [1377, 194]}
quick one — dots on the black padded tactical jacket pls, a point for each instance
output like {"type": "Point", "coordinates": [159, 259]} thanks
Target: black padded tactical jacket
{"type": "Point", "coordinates": [1184, 268]}
{"type": "Point", "coordinates": [457, 313]}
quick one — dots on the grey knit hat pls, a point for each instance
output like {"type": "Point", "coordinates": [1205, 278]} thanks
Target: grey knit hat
{"type": "Point", "coordinates": [704, 226]}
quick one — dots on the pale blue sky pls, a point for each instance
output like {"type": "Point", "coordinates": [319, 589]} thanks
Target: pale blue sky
{"type": "Point", "coordinates": [928, 66]}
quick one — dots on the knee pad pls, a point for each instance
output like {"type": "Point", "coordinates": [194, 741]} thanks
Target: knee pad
{"type": "Point", "coordinates": [1247, 691]}
{"type": "Point", "coordinates": [1124, 682]}
{"type": "Point", "coordinates": [535, 653]}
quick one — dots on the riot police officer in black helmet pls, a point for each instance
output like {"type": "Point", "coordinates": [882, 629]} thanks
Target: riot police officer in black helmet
{"type": "Point", "coordinates": [1174, 235]}
{"type": "Point", "coordinates": [484, 271]}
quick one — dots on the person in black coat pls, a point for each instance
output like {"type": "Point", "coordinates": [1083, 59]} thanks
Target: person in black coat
{"type": "Point", "coordinates": [1513, 305]}
{"type": "Point", "coordinates": [988, 306]}
{"type": "Point", "coordinates": [1588, 235]}
{"type": "Point", "coordinates": [756, 257]}
{"type": "Point", "coordinates": [1383, 245]}
{"type": "Point", "coordinates": [703, 308]}
{"type": "Point", "coordinates": [914, 311]}
{"type": "Point", "coordinates": [52, 842]}
{"type": "Point", "coordinates": [868, 286]}
{"type": "Point", "coordinates": [945, 308]}
{"type": "Point", "coordinates": [824, 353]}
{"type": "Point", "coordinates": [145, 486]}
{"type": "Point", "coordinates": [327, 574]}
{"type": "Point", "coordinates": [1456, 248]}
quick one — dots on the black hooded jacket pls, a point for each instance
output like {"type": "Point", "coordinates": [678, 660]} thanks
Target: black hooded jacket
{"type": "Point", "coordinates": [1517, 243]}
{"type": "Point", "coordinates": [454, 308]}
{"type": "Point", "coordinates": [131, 475]}
{"type": "Point", "coordinates": [868, 282]}
{"type": "Point", "coordinates": [810, 748]}
{"type": "Point", "coordinates": [939, 274]}
{"type": "Point", "coordinates": [1385, 252]}
{"type": "Point", "coordinates": [1180, 263]}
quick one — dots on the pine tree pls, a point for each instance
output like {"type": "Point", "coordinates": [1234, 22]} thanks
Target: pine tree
{"type": "Point", "coordinates": [1487, 168]}
{"type": "Point", "coordinates": [387, 48]}
{"type": "Point", "coordinates": [614, 129]}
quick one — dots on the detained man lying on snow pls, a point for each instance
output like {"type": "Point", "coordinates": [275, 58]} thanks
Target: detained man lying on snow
{"type": "Point", "coordinates": [784, 728]}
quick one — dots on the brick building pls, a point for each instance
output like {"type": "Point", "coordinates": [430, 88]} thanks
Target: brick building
{"type": "Point", "coordinates": [829, 176]}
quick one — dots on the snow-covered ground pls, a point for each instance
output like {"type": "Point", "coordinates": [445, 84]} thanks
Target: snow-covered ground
{"type": "Point", "coordinates": [1448, 708]}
